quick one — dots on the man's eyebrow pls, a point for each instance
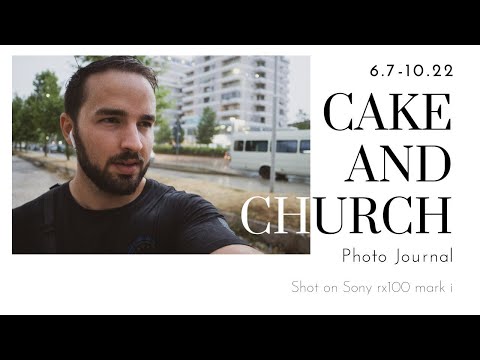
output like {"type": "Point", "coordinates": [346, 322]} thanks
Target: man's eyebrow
{"type": "Point", "coordinates": [111, 112]}
{"type": "Point", "coordinates": [147, 117]}
{"type": "Point", "coordinates": [120, 112]}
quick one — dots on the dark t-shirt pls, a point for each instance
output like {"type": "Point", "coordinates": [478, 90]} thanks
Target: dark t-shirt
{"type": "Point", "coordinates": [160, 220]}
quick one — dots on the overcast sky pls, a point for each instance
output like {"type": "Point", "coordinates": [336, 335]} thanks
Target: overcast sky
{"type": "Point", "coordinates": [25, 68]}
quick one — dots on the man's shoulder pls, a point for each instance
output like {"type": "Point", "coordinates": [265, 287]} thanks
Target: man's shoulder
{"type": "Point", "coordinates": [170, 193]}
{"type": "Point", "coordinates": [176, 199]}
{"type": "Point", "coordinates": [34, 207]}
{"type": "Point", "coordinates": [29, 209]}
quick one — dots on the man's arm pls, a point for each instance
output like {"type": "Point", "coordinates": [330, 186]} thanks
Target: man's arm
{"type": "Point", "coordinates": [236, 249]}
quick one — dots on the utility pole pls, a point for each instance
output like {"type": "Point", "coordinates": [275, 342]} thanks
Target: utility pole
{"type": "Point", "coordinates": [177, 137]}
{"type": "Point", "coordinates": [178, 129]}
{"type": "Point", "coordinates": [274, 128]}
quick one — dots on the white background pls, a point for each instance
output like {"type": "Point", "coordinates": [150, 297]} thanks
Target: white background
{"type": "Point", "coordinates": [262, 284]}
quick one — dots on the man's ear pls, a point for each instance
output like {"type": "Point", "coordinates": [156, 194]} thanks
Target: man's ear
{"type": "Point", "coordinates": [66, 125]}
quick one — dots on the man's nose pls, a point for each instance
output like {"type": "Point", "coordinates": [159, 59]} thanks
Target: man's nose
{"type": "Point", "coordinates": [131, 139]}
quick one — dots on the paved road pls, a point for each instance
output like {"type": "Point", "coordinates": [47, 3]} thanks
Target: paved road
{"type": "Point", "coordinates": [29, 181]}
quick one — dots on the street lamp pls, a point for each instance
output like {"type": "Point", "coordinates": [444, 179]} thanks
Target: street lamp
{"type": "Point", "coordinates": [177, 132]}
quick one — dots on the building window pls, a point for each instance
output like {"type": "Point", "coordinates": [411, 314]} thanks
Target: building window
{"type": "Point", "coordinates": [206, 100]}
{"type": "Point", "coordinates": [260, 97]}
{"type": "Point", "coordinates": [281, 112]}
{"type": "Point", "coordinates": [259, 86]}
{"type": "Point", "coordinates": [260, 63]}
{"type": "Point", "coordinates": [259, 108]}
{"type": "Point", "coordinates": [206, 80]}
{"type": "Point", "coordinates": [262, 120]}
{"type": "Point", "coordinates": [259, 75]}
{"type": "Point", "coordinates": [206, 68]}
{"type": "Point", "coordinates": [206, 58]}
{"type": "Point", "coordinates": [231, 95]}
{"type": "Point", "coordinates": [207, 89]}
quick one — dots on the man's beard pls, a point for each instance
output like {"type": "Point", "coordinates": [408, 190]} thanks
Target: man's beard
{"type": "Point", "coordinates": [117, 184]}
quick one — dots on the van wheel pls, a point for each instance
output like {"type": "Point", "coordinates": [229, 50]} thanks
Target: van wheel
{"type": "Point", "coordinates": [265, 172]}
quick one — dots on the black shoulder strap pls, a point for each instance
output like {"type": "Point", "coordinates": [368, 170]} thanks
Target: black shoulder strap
{"type": "Point", "coordinates": [48, 219]}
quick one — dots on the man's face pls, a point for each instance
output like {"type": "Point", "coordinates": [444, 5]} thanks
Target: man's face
{"type": "Point", "coordinates": [114, 130]}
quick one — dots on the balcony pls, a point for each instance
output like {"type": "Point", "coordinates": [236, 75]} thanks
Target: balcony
{"type": "Point", "coordinates": [188, 107]}
{"type": "Point", "coordinates": [229, 113]}
{"type": "Point", "coordinates": [260, 91]}
{"type": "Point", "coordinates": [231, 60]}
{"type": "Point", "coordinates": [188, 88]}
{"type": "Point", "coordinates": [259, 113]}
{"type": "Point", "coordinates": [260, 102]}
{"type": "Point", "coordinates": [187, 99]}
{"type": "Point", "coordinates": [230, 84]}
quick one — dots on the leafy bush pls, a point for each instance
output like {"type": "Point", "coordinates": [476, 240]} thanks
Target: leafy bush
{"type": "Point", "coordinates": [191, 150]}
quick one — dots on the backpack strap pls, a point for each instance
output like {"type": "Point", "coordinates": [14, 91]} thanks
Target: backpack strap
{"type": "Point", "coordinates": [48, 222]}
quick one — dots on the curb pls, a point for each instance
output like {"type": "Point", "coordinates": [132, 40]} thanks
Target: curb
{"type": "Point", "coordinates": [192, 169]}
{"type": "Point", "coordinates": [64, 171]}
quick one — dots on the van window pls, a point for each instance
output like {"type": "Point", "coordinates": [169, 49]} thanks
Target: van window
{"type": "Point", "coordinates": [305, 147]}
{"type": "Point", "coordinates": [287, 146]}
{"type": "Point", "coordinates": [238, 146]}
{"type": "Point", "coordinates": [260, 146]}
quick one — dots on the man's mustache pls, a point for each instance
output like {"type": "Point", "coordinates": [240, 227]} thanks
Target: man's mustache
{"type": "Point", "coordinates": [127, 155]}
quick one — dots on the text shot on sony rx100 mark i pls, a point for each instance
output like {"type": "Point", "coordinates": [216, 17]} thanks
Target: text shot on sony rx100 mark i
{"type": "Point", "coordinates": [160, 154]}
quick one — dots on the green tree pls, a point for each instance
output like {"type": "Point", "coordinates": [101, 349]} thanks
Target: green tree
{"type": "Point", "coordinates": [206, 127]}
{"type": "Point", "coordinates": [24, 128]}
{"type": "Point", "coordinates": [303, 120]}
{"type": "Point", "coordinates": [18, 109]}
{"type": "Point", "coordinates": [164, 132]}
{"type": "Point", "coordinates": [161, 96]}
{"type": "Point", "coordinates": [304, 125]}
{"type": "Point", "coordinates": [45, 106]}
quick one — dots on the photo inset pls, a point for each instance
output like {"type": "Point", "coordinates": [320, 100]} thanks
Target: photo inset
{"type": "Point", "coordinates": [161, 154]}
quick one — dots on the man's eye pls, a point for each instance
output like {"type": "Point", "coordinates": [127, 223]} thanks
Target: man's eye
{"type": "Point", "coordinates": [110, 120]}
{"type": "Point", "coordinates": [146, 124]}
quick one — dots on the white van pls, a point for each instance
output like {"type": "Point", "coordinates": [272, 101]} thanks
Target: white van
{"type": "Point", "coordinates": [251, 151]}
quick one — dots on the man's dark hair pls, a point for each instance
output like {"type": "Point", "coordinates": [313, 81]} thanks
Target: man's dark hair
{"type": "Point", "coordinates": [75, 94]}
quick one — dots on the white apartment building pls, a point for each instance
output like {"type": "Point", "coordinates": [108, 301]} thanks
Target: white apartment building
{"type": "Point", "coordinates": [172, 71]}
{"type": "Point", "coordinates": [239, 89]}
